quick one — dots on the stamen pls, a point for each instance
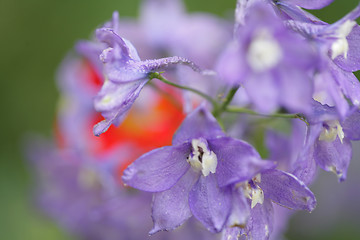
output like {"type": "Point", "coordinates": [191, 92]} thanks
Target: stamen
{"type": "Point", "coordinates": [201, 158]}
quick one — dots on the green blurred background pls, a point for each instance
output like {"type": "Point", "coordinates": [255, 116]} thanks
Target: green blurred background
{"type": "Point", "coordinates": [35, 36]}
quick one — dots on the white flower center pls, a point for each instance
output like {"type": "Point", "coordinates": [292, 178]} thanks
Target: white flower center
{"type": "Point", "coordinates": [264, 51]}
{"type": "Point", "coordinates": [341, 45]}
{"type": "Point", "coordinates": [201, 158]}
{"type": "Point", "coordinates": [332, 130]}
{"type": "Point", "coordinates": [254, 192]}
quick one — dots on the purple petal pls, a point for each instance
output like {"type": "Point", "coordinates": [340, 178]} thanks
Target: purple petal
{"type": "Point", "coordinates": [288, 191]}
{"type": "Point", "coordinates": [114, 101]}
{"type": "Point", "coordinates": [210, 204]}
{"type": "Point", "coordinates": [310, 4]}
{"type": "Point", "coordinates": [199, 123]}
{"type": "Point", "coordinates": [260, 224]}
{"type": "Point", "coordinates": [158, 170]}
{"type": "Point", "coordinates": [170, 208]}
{"type": "Point", "coordinates": [266, 97]}
{"type": "Point", "coordinates": [237, 160]}
{"type": "Point", "coordinates": [348, 84]}
{"type": "Point", "coordinates": [127, 50]}
{"type": "Point", "coordinates": [297, 93]}
{"type": "Point", "coordinates": [352, 62]}
{"type": "Point", "coordinates": [351, 126]}
{"type": "Point", "coordinates": [334, 156]}
{"type": "Point", "coordinates": [240, 210]}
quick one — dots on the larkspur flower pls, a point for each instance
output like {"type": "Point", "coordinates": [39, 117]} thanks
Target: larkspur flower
{"type": "Point", "coordinates": [267, 187]}
{"type": "Point", "coordinates": [337, 45]}
{"type": "Point", "coordinates": [125, 76]}
{"type": "Point", "coordinates": [331, 138]}
{"type": "Point", "coordinates": [195, 175]}
{"type": "Point", "coordinates": [264, 61]}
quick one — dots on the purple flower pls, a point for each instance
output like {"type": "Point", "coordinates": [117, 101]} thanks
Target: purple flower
{"type": "Point", "coordinates": [125, 76]}
{"type": "Point", "coordinates": [269, 186]}
{"type": "Point", "coordinates": [265, 62]}
{"type": "Point", "coordinates": [338, 46]}
{"type": "Point", "coordinates": [195, 175]}
{"type": "Point", "coordinates": [331, 138]}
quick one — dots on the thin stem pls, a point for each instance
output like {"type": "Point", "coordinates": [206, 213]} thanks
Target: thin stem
{"type": "Point", "coordinates": [161, 78]}
{"type": "Point", "coordinates": [234, 109]}
{"type": "Point", "coordinates": [217, 112]}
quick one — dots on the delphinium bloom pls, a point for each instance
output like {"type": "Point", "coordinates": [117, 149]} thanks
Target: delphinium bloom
{"type": "Point", "coordinates": [194, 176]}
{"type": "Point", "coordinates": [197, 176]}
{"type": "Point", "coordinates": [82, 196]}
{"type": "Point", "coordinates": [331, 138]}
{"type": "Point", "coordinates": [337, 45]}
{"type": "Point", "coordinates": [78, 180]}
{"type": "Point", "coordinates": [125, 76]}
{"type": "Point", "coordinates": [265, 62]}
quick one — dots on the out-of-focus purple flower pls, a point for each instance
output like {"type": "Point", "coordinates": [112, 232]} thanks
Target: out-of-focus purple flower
{"type": "Point", "coordinates": [125, 76]}
{"type": "Point", "coordinates": [264, 61]}
{"type": "Point", "coordinates": [338, 46]}
{"type": "Point", "coordinates": [167, 28]}
{"type": "Point", "coordinates": [195, 176]}
{"type": "Point", "coordinates": [84, 198]}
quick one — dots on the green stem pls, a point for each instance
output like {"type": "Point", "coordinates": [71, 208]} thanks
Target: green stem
{"type": "Point", "coordinates": [161, 78]}
{"type": "Point", "coordinates": [234, 109]}
{"type": "Point", "coordinates": [217, 112]}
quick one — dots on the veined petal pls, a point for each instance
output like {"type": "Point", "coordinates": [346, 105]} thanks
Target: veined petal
{"type": "Point", "coordinates": [158, 170]}
{"type": "Point", "coordinates": [334, 156]}
{"type": "Point", "coordinates": [170, 208]}
{"type": "Point", "coordinates": [287, 190]}
{"type": "Point", "coordinates": [237, 160]}
{"type": "Point", "coordinates": [199, 123]}
{"type": "Point", "coordinates": [210, 204]}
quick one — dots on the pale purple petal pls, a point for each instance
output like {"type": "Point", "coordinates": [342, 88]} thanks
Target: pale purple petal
{"type": "Point", "coordinates": [159, 169]}
{"type": "Point", "coordinates": [305, 165]}
{"type": "Point", "coordinates": [352, 62]}
{"type": "Point", "coordinates": [114, 101]}
{"type": "Point", "coordinates": [334, 156]}
{"type": "Point", "coordinates": [240, 211]}
{"type": "Point", "coordinates": [310, 4]}
{"type": "Point", "coordinates": [199, 123]}
{"type": "Point", "coordinates": [170, 208]}
{"type": "Point", "coordinates": [288, 191]}
{"type": "Point", "coordinates": [351, 126]}
{"type": "Point", "coordinates": [260, 224]}
{"type": "Point", "coordinates": [237, 160]}
{"type": "Point", "coordinates": [210, 204]}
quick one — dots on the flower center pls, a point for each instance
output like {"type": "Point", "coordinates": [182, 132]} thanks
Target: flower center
{"type": "Point", "coordinates": [201, 158]}
{"type": "Point", "coordinates": [253, 191]}
{"type": "Point", "coordinates": [341, 45]}
{"type": "Point", "coordinates": [330, 130]}
{"type": "Point", "coordinates": [264, 51]}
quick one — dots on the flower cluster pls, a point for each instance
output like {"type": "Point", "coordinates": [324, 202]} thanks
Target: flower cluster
{"type": "Point", "coordinates": [225, 124]}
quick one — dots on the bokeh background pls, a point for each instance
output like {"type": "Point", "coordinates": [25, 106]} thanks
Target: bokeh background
{"type": "Point", "coordinates": [35, 35]}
